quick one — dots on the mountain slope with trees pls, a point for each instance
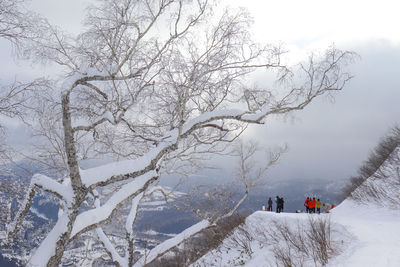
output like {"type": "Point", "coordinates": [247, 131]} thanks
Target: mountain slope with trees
{"type": "Point", "coordinates": [378, 178]}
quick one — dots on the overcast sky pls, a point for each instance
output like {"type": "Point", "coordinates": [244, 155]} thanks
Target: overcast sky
{"type": "Point", "coordinates": [328, 140]}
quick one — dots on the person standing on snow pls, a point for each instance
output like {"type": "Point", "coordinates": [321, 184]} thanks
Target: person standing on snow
{"type": "Point", "coordinates": [277, 201]}
{"type": "Point", "coordinates": [270, 204]}
{"type": "Point", "coordinates": [319, 205]}
{"type": "Point", "coordinates": [312, 205]}
{"type": "Point", "coordinates": [306, 204]}
{"type": "Point", "coordinates": [281, 204]}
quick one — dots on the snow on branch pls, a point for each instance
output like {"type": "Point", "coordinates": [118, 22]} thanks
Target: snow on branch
{"type": "Point", "coordinates": [94, 217]}
{"type": "Point", "coordinates": [46, 183]}
{"type": "Point", "coordinates": [50, 185]}
{"type": "Point", "coordinates": [130, 220]}
{"type": "Point", "coordinates": [46, 250]}
{"type": "Point", "coordinates": [108, 173]}
{"type": "Point", "coordinates": [110, 248]}
{"type": "Point", "coordinates": [26, 205]}
{"type": "Point", "coordinates": [164, 247]}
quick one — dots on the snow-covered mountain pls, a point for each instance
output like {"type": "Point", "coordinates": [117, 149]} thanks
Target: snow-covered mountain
{"type": "Point", "coordinates": [362, 231]}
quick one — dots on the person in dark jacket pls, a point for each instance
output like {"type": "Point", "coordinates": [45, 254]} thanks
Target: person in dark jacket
{"type": "Point", "coordinates": [270, 204]}
{"type": "Point", "coordinates": [281, 204]}
{"type": "Point", "coordinates": [277, 200]}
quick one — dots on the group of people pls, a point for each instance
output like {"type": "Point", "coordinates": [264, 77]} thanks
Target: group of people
{"type": "Point", "coordinates": [279, 204]}
{"type": "Point", "coordinates": [314, 206]}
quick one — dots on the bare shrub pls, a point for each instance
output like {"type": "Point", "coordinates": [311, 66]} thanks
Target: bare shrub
{"type": "Point", "coordinates": [287, 245]}
{"type": "Point", "coordinates": [241, 239]}
{"type": "Point", "coordinates": [307, 241]}
{"type": "Point", "coordinates": [319, 239]}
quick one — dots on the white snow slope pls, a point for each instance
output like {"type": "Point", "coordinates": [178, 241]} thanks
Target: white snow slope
{"type": "Point", "coordinates": [377, 233]}
{"type": "Point", "coordinates": [367, 235]}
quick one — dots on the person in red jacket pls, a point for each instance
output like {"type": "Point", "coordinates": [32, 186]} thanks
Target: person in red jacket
{"type": "Point", "coordinates": [306, 204]}
{"type": "Point", "coordinates": [312, 205]}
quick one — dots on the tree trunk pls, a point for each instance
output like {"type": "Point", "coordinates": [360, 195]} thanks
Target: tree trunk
{"type": "Point", "coordinates": [80, 190]}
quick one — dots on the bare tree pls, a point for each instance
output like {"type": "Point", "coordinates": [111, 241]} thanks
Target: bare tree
{"type": "Point", "coordinates": [15, 20]}
{"type": "Point", "coordinates": [141, 83]}
{"type": "Point", "coordinates": [17, 24]}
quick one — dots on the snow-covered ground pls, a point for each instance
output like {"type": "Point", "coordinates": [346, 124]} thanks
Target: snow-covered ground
{"type": "Point", "coordinates": [362, 236]}
{"type": "Point", "coordinates": [377, 233]}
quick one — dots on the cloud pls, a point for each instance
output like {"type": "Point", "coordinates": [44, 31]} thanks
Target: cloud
{"type": "Point", "coordinates": [314, 21]}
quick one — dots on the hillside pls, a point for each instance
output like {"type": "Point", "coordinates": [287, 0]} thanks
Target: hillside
{"type": "Point", "coordinates": [363, 236]}
{"type": "Point", "coordinates": [362, 231]}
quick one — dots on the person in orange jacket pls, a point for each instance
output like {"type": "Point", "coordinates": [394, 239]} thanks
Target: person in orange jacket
{"type": "Point", "coordinates": [319, 205]}
{"type": "Point", "coordinates": [306, 204]}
